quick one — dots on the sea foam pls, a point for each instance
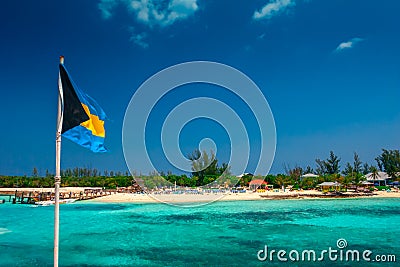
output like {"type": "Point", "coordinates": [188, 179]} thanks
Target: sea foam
{"type": "Point", "coordinates": [4, 231]}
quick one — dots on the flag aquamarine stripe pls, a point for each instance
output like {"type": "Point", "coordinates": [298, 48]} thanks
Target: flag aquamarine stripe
{"type": "Point", "coordinates": [91, 133]}
{"type": "Point", "coordinates": [84, 137]}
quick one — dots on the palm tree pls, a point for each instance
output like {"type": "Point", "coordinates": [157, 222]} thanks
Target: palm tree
{"type": "Point", "coordinates": [374, 173]}
{"type": "Point", "coordinates": [281, 180]}
{"type": "Point", "coordinates": [346, 180]}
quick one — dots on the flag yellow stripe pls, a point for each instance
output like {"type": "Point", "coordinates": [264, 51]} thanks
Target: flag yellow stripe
{"type": "Point", "coordinates": [94, 124]}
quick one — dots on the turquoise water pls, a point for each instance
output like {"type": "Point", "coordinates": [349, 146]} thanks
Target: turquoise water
{"type": "Point", "coordinates": [219, 234]}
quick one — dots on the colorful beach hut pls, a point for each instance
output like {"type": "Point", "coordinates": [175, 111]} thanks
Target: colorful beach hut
{"type": "Point", "coordinates": [330, 186]}
{"type": "Point", "coordinates": [259, 184]}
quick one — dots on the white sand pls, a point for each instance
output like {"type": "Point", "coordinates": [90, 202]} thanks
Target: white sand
{"type": "Point", "coordinates": [188, 198]}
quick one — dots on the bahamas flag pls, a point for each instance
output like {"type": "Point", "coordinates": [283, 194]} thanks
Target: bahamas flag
{"type": "Point", "coordinates": [82, 118]}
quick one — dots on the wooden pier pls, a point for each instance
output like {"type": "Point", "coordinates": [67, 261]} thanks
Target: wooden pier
{"type": "Point", "coordinates": [17, 197]}
{"type": "Point", "coordinates": [32, 195]}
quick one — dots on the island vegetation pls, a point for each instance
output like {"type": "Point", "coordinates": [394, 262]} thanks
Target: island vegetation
{"type": "Point", "coordinates": [206, 169]}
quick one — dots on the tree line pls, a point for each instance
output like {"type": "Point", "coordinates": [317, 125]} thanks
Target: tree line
{"type": "Point", "coordinates": [81, 172]}
{"type": "Point", "coordinates": [329, 170]}
{"type": "Point", "coordinates": [76, 177]}
{"type": "Point", "coordinates": [206, 170]}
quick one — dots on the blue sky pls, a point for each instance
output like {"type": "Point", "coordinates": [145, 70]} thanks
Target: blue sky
{"type": "Point", "coordinates": [330, 71]}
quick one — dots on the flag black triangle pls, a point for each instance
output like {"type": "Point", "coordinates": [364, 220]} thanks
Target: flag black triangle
{"type": "Point", "coordinates": [73, 113]}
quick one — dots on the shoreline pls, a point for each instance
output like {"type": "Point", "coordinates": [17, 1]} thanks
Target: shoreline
{"type": "Point", "coordinates": [192, 198]}
{"type": "Point", "coordinates": [189, 198]}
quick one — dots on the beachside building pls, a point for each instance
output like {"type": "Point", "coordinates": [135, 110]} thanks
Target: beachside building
{"type": "Point", "coordinates": [308, 175]}
{"type": "Point", "coordinates": [330, 186]}
{"type": "Point", "coordinates": [245, 174]}
{"type": "Point", "coordinates": [259, 184]}
{"type": "Point", "coordinates": [379, 179]}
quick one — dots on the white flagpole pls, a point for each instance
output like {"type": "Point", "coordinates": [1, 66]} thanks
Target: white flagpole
{"type": "Point", "coordinates": [57, 177]}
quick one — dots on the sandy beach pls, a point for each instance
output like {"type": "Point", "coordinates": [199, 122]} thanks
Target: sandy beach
{"type": "Point", "coordinates": [188, 198]}
{"type": "Point", "coordinates": [114, 197]}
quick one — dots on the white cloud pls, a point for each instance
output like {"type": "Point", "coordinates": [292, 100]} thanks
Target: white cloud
{"type": "Point", "coordinates": [139, 39]}
{"type": "Point", "coordinates": [349, 44]}
{"type": "Point", "coordinates": [106, 6]}
{"type": "Point", "coordinates": [273, 8]}
{"type": "Point", "coordinates": [261, 36]}
{"type": "Point", "coordinates": [152, 12]}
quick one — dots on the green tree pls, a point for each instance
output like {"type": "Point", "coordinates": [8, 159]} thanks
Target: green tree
{"type": "Point", "coordinates": [308, 169]}
{"type": "Point", "coordinates": [321, 167]}
{"type": "Point", "coordinates": [357, 164]}
{"type": "Point", "coordinates": [345, 180]}
{"type": "Point", "coordinates": [35, 172]}
{"type": "Point", "coordinates": [224, 169]}
{"type": "Point", "coordinates": [245, 180]}
{"type": "Point", "coordinates": [308, 183]}
{"type": "Point", "coordinates": [389, 162]}
{"type": "Point", "coordinates": [328, 166]}
{"type": "Point", "coordinates": [353, 173]}
{"type": "Point", "coordinates": [270, 178]}
{"type": "Point", "coordinates": [374, 172]}
{"type": "Point", "coordinates": [366, 168]}
{"type": "Point", "coordinates": [294, 173]}
{"type": "Point", "coordinates": [203, 164]}
{"type": "Point", "coordinates": [332, 164]}
{"type": "Point", "coordinates": [281, 180]}
{"type": "Point", "coordinates": [348, 170]}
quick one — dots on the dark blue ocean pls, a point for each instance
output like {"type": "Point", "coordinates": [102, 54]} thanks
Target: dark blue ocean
{"type": "Point", "coordinates": [227, 233]}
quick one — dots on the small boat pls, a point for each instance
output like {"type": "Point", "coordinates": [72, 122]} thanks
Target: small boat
{"type": "Point", "coordinates": [52, 202]}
